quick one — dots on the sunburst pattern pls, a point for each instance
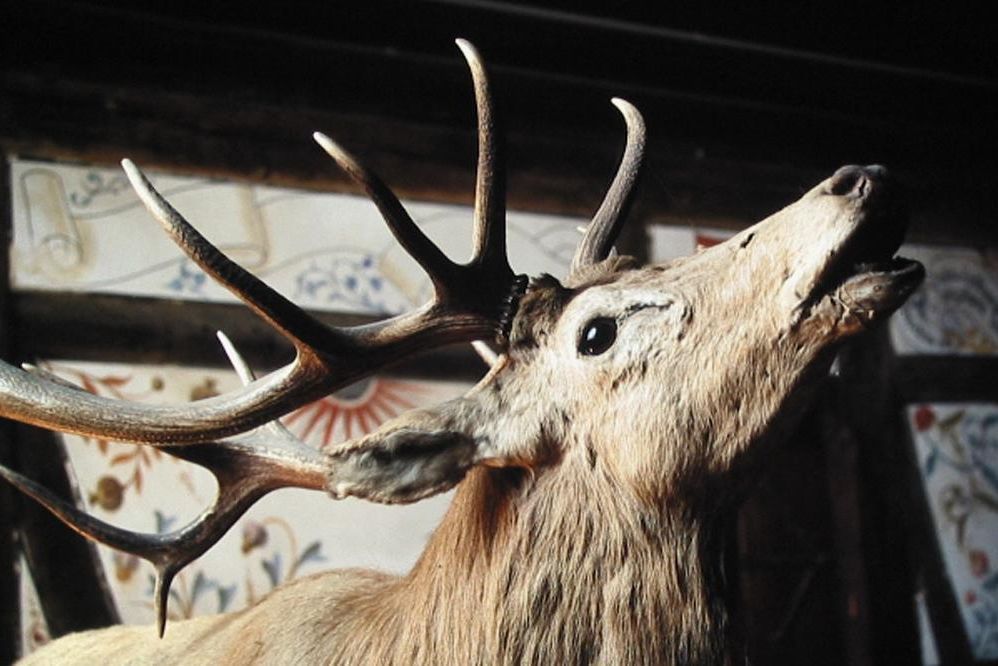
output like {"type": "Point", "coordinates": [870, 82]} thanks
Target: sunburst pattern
{"type": "Point", "coordinates": [342, 416]}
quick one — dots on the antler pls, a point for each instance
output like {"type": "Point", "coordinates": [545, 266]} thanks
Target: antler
{"type": "Point", "coordinates": [246, 467]}
{"type": "Point", "coordinates": [236, 436]}
{"type": "Point", "coordinates": [471, 301]}
{"type": "Point", "coordinates": [606, 223]}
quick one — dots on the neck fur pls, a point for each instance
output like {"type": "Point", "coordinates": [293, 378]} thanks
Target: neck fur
{"type": "Point", "coordinates": [570, 572]}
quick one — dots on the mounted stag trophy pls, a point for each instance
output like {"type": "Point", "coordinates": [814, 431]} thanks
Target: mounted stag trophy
{"type": "Point", "coordinates": [623, 419]}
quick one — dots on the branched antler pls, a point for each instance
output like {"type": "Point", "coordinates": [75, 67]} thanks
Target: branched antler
{"type": "Point", "coordinates": [246, 467]}
{"type": "Point", "coordinates": [237, 436]}
{"type": "Point", "coordinates": [471, 301]}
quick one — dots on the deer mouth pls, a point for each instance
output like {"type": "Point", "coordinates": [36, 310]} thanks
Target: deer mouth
{"type": "Point", "coordinates": [876, 289]}
{"type": "Point", "coordinates": [864, 277]}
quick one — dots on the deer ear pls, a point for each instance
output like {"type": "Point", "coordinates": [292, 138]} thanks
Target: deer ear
{"type": "Point", "coordinates": [402, 462]}
{"type": "Point", "coordinates": [428, 451]}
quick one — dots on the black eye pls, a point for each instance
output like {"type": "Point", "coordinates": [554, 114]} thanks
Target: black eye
{"type": "Point", "coordinates": [597, 336]}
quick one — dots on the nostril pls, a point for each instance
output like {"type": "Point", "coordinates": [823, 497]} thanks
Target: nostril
{"type": "Point", "coordinates": [877, 171]}
{"type": "Point", "coordinates": [851, 180]}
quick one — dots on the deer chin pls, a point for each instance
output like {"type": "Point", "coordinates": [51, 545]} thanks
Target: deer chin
{"type": "Point", "coordinates": [857, 298]}
{"type": "Point", "coordinates": [876, 290]}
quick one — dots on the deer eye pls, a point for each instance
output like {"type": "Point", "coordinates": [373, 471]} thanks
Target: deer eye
{"type": "Point", "coordinates": [597, 336]}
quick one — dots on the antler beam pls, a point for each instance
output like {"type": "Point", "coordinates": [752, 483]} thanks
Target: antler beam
{"type": "Point", "coordinates": [471, 301]}
{"type": "Point", "coordinates": [236, 436]}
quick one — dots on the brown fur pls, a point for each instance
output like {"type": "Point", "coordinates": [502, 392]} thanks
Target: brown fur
{"type": "Point", "coordinates": [586, 527]}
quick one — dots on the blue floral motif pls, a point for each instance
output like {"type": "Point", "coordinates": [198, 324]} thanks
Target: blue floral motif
{"type": "Point", "coordinates": [960, 467]}
{"type": "Point", "coordinates": [351, 281]}
{"type": "Point", "coordinates": [191, 280]}
{"type": "Point", "coordinates": [980, 432]}
{"type": "Point", "coordinates": [164, 523]}
{"type": "Point", "coordinates": [96, 184]}
{"type": "Point", "coordinates": [984, 611]}
{"type": "Point", "coordinates": [955, 310]}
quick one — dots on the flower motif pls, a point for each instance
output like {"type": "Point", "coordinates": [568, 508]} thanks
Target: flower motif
{"type": "Point", "coordinates": [924, 418]}
{"type": "Point", "coordinates": [254, 536]}
{"type": "Point", "coordinates": [955, 503]}
{"type": "Point", "coordinates": [979, 563]}
{"type": "Point", "coordinates": [191, 279]}
{"type": "Point", "coordinates": [206, 389]}
{"type": "Point", "coordinates": [108, 494]}
{"type": "Point", "coordinates": [358, 408]}
{"type": "Point", "coordinates": [125, 566]}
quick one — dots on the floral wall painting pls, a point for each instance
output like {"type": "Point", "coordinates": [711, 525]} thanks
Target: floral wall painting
{"type": "Point", "coordinates": [83, 229]}
{"type": "Point", "coordinates": [956, 448]}
{"type": "Point", "coordinates": [356, 410]}
{"type": "Point", "coordinates": [286, 535]}
{"type": "Point", "coordinates": [955, 311]}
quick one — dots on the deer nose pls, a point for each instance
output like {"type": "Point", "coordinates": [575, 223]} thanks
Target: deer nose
{"type": "Point", "coordinates": [856, 180]}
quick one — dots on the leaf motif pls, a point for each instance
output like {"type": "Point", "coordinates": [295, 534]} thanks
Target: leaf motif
{"type": "Point", "coordinates": [163, 522]}
{"type": "Point", "coordinates": [137, 478]}
{"type": "Point", "coordinates": [201, 585]}
{"type": "Point", "coordinates": [951, 420]}
{"type": "Point", "coordinates": [312, 553]}
{"type": "Point", "coordinates": [273, 569]}
{"type": "Point", "coordinates": [88, 384]}
{"type": "Point", "coordinates": [989, 474]}
{"type": "Point", "coordinates": [225, 596]}
{"type": "Point", "coordinates": [115, 380]}
{"type": "Point", "coordinates": [987, 500]}
{"type": "Point", "coordinates": [930, 462]}
{"type": "Point", "coordinates": [122, 458]}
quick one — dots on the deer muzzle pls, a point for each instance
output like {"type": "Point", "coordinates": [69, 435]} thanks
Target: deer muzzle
{"type": "Point", "coordinates": [861, 274]}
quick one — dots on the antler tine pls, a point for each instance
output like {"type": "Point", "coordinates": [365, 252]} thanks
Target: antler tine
{"type": "Point", "coordinates": [169, 553]}
{"type": "Point", "coordinates": [246, 376]}
{"type": "Point", "coordinates": [606, 223]}
{"type": "Point", "coordinates": [487, 354]}
{"type": "Point", "coordinates": [296, 324]}
{"type": "Point", "coordinates": [239, 364]}
{"type": "Point", "coordinates": [490, 182]}
{"type": "Point", "coordinates": [473, 301]}
{"type": "Point", "coordinates": [277, 458]}
{"type": "Point", "coordinates": [438, 267]}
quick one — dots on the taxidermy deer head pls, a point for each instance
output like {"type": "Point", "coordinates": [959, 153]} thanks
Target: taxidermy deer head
{"type": "Point", "coordinates": [625, 413]}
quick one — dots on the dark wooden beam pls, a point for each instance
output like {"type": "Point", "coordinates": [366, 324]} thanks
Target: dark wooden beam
{"type": "Point", "coordinates": [925, 378]}
{"type": "Point", "coordinates": [10, 594]}
{"type": "Point", "coordinates": [787, 558]}
{"type": "Point", "coordinates": [869, 410]}
{"type": "Point", "coordinates": [841, 449]}
{"type": "Point", "coordinates": [66, 571]}
{"type": "Point", "coordinates": [123, 329]}
{"type": "Point", "coordinates": [288, 51]}
{"type": "Point", "coordinates": [240, 97]}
